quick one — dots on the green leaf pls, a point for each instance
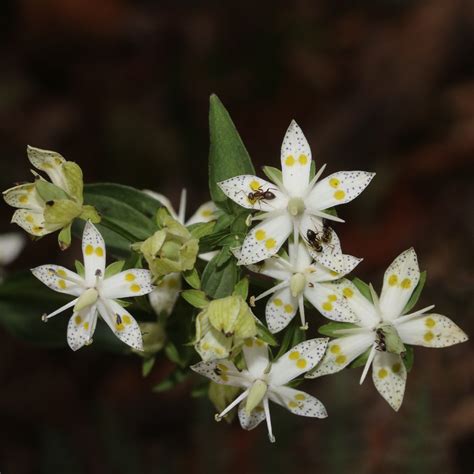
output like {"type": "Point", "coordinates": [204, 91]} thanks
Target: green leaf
{"type": "Point", "coordinates": [416, 293]}
{"type": "Point", "coordinates": [195, 298]}
{"type": "Point", "coordinates": [363, 288]}
{"type": "Point", "coordinates": [201, 229]}
{"type": "Point", "coordinates": [114, 268]}
{"type": "Point", "coordinates": [265, 335]}
{"type": "Point", "coordinates": [330, 328]}
{"type": "Point", "coordinates": [293, 335]}
{"type": "Point", "coordinates": [192, 278]}
{"type": "Point", "coordinates": [173, 355]}
{"type": "Point", "coordinates": [147, 365]}
{"type": "Point", "coordinates": [223, 221]}
{"type": "Point", "coordinates": [242, 288]}
{"type": "Point", "coordinates": [218, 281]}
{"type": "Point", "coordinates": [408, 358]}
{"type": "Point", "coordinates": [175, 378]}
{"type": "Point", "coordinates": [273, 174]}
{"type": "Point", "coordinates": [228, 156]}
{"type": "Point", "coordinates": [80, 270]}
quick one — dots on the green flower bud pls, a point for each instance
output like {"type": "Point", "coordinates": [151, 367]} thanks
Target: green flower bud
{"type": "Point", "coordinates": [221, 395]}
{"type": "Point", "coordinates": [154, 337]}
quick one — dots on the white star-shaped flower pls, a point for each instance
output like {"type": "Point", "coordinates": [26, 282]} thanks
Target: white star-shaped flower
{"type": "Point", "coordinates": [96, 294]}
{"type": "Point", "coordinates": [295, 204]}
{"type": "Point", "coordinates": [264, 380]}
{"type": "Point", "coordinates": [384, 329]}
{"type": "Point", "coordinates": [299, 278]}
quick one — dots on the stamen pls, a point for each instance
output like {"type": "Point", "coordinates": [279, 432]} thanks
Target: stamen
{"type": "Point", "coordinates": [368, 364]}
{"type": "Point", "coordinates": [407, 317]}
{"type": "Point", "coordinates": [281, 285]}
{"type": "Point", "coordinates": [326, 216]}
{"type": "Point", "coordinates": [45, 317]}
{"type": "Point", "coordinates": [304, 324]}
{"type": "Point", "coordinates": [269, 421]}
{"type": "Point", "coordinates": [315, 178]}
{"type": "Point", "coordinates": [182, 206]}
{"type": "Point", "coordinates": [219, 416]}
{"type": "Point", "coordinates": [294, 248]}
{"type": "Point", "coordinates": [266, 215]}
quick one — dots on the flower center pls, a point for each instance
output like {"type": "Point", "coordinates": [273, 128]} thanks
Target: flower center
{"type": "Point", "coordinates": [255, 396]}
{"type": "Point", "coordinates": [87, 298]}
{"type": "Point", "coordinates": [388, 339]}
{"type": "Point", "coordinates": [297, 284]}
{"type": "Point", "coordinates": [296, 206]}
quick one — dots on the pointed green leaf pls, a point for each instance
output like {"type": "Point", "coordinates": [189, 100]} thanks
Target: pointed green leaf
{"type": "Point", "coordinates": [195, 298]}
{"type": "Point", "coordinates": [147, 365]}
{"type": "Point", "coordinates": [114, 268]}
{"type": "Point", "coordinates": [408, 357]}
{"type": "Point", "coordinates": [201, 229]}
{"type": "Point", "coordinates": [80, 270]}
{"type": "Point", "coordinates": [192, 278]}
{"type": "Point", "coordinates": [273, 174]}
{"type": "Point", "coordinates": [49, 191]}
{"type": "Point", "coordinates": [242, 288]}
{"type": "Point", "coordinates": [331, 329]}
{"type": "Point", "coordinates": [219, 281]}
{"type": "Point", "coordinates": [416, 293]}
{"type": "Point", "coordinates": [363, 288]}
{"type": "Point", "coordinates": [64, 237]}
{"type": "Point", "coordinates": [360, 360]}
{"type": "Point", "coordinates": [265, 335]}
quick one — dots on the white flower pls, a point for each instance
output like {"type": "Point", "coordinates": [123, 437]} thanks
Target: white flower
{"type": "Point", "coordinates": [164, 297]}
{"type": "Point", "coordinates": [264, 380]}
{"type": "Point", "coordinates": [11, 245]}
{"type": "Point", "coordinates": [301, 279]}
{"type": "Point", "coordinates": [96, 294]}
{"type": "Point", "coordinates": [296, 204]}
{"type": "Point", "coordinates": [384, 329]}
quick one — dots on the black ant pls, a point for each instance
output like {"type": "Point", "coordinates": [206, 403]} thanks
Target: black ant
{"type": "Point", "coordinates": [314, 240]}
{"type": "Point", "coordinates": [326, 233]}
{"type": "Point", "coordinates": [260, 195]}
{"type": "Point", "coordinates": [380, 342]}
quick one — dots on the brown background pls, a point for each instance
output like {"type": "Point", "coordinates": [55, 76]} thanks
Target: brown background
{"type": "Point", "coordinates": [122, 88]}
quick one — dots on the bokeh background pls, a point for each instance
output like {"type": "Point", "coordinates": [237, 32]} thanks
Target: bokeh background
{"type": "Point", "coordinates": [122, 88]}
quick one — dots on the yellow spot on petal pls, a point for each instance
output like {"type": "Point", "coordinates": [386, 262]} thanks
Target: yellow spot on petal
{"type": "Point", "coordinates": [288, 308]}
{"type": "Point", "coordinates": [126, 319]}
{"type": "Point", "coordinates": [36, 229]}
{"type": "Point", "coordinates": [206, 213]}
{"type": "Point", "coordinates": [29, 218]}
{"type": "Point", "coordinates": [382, 373]}
{"type": "Point", "coordinates": [332, 297]}
{"type": "Point", "coordinates": [406, 283]}
{"type": "Point", "coordinates": [248, 342]}
{"type": "Point", "coordinates": [58, 161]}
{"type": "Point", "coordinates": [392, 280]}
{"type": "Point", "coordinates": [334, 182]}
{"type": "Point", "coordinates": [327, 306]}
{"type": "Point", "coordinates": [119, 327]}
{"type": "Point", "coordinates": [303, 159]}
{"type": "Point", "coordinates": [62, 284]}
{"type": "Point", "coordinates": [396, 368]}
{"type": "Point", "coordinates": [278, 302]}
{"type": "Point", "coordinates": [347, 292]}
{"type": "Point", "coordinates": [135, 288]}
{"type": "Point", "coordinates": [78, 320]}
{"type": "Point", "coordinates": [290, 160]}
{"type": "Point", "coordinates": [333, 273]}
{"type": "Point", "coordinates": [428, 336]}
{"type": "Point", "coordinates": [335, 349]}
{"type": "Point", "coordinates": [300, 396]}
{"type": "Point", "coordinates": [86, 325]}
{"type": "Point", "coordinates": [130, 277]}
{"type": "Point", "coordinates": [270, 243]}
{"type": "Point", "coordinates": [61, 273]}
{"type": "Point", "coordinates": [294, 355]}
{"type": "Point", "coordinates": [224, 377]}
{"type": "Point", "coordinates": [205, 346]}
{"type": "Point", "coordinates": [340, 359]}
{"type": "Point", "coordinates": [223, 367]}
{"type": "Point", "coordinates": [339, 194]}
{"type": "Point", "coordinates": [254, 185]}
{"type": "Point", "coordinates": [430, 322]}
{"type": "Point", "coordinates": [23, 199]}
{"type": "Point", "coordinates": [301, 363]}
{"type": "Point", "coordinates": [292, 404]}
{"type": "Point", "coordinates": [260, 234]}
{"type": "Point", "coordinates": [99, 251]}
{"type": "Point", "coordinates": [89, 249]}
{"type": "Point", "coordinates": [259, 343]}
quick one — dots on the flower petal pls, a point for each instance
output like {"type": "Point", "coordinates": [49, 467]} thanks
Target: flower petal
{"type": "Point", "coordinates": [205, 213]}
{"type": "Point", "coordinates": [24, 196]}
{"type": "Point", "coordinates": [93, 250]}
{"type": "Point", "coordinates": [328, 299]}
{"type": "Point", "coordinates": [300, 359]}
{"type": "Point", "coordinates": [303, 258]}
{"type": "Point", "coordinates": [265, 239]}
{"type": "Point", "coordinates": [11, 245]}
{"type": "Point", "coordinates": [250, 421]}
{"type": "Point", "coordinates": [295, 160]}
{"type": "Point", "coordinates": [81, 327]}
{"type": "Point", "coordinates": [133, 282]}
{"type": "Point", "coordinates": [328, 254]}
{"type": "Point", "coordinates": [323, 274]}
{"type": "Point", "coordinates": [389, 375]}
{"type": "Point", "coordinates": [60, 279]}
{"type": "Point", "coordinates": [337, 188]}
{"type": "Point", "coordinates": [298, 402]}
{"type": "Point", "coordinates": [341, 352]}
{"type": "Point", "coordinates": [213, 345]}
{"type": "Point", "coordinates": [280, 310]}
{"type": "Point", "coordinates": [274, 267]}
{"type": "Point", "coordinates": [431, 330]}
{"type": "Point", "coordinates": [400, 279]}
{"type": "Point", "coordinates": [121, 322]}
{"type": "Point", "coordinates": [222, 371]}
{"type": "Point", "coordinates": [256, 356]}
{"type": "Point", "coordinates": [50, 162]}
{"type": "Point", "coordinates": [239, 188]}
{"type": "Point", "coordinates": [33, 222]}
{"type": "Point", "coordinates": [164, 296]}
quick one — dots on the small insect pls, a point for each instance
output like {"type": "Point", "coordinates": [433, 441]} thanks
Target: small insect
{"type": "Point", "coordinates": [260, 195]}
{"type": "Point", "coordinates": [313, 240]}
{"type": "Point", "coordinates": [326, 233]}
{"type": "Point", "coordinates": [380, 344]}
{"type": "Point", "coordinates": [118, 320]}
{"type": "Point", "coordinates": [217, 371]}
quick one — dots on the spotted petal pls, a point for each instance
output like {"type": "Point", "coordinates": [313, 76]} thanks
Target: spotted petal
{"type": "Point", "coordinates": [256, 356]}
{"type": "Point", "coordinates": [205, 213]}
{"type": "Point", "coordinates": [274, 267]}
{"type": "Point", "coordinates": [265, 239]}
{"type": "Point", "coordinates": [50, 162]}
{"type": "Point", "coordinates": [431, 330]}
{"type": "Point", "coordinates": [134, 282]}
{"type": "Point", "coordinates": [295, 160]}
{"type": "Point", "coordinates": [341, 352]}
{"type": "Point", "coordinates": [24, 196]}
{"type": "Point", "coordinates": [121, 322]}
{"type": "Point", "coordinates": [400, 279]}
{"type": "Point", "coordinates": [298, 402]}
{"type": "Point", "coordinates": [337, 188]}
{"type": "Point", "coordinates": [33, 222]}
{"type": "Point", "coordinates": [60, 279]}
{"type": "Point", "coordinates": [223, 372]}
{"type": "Point", "coordinates": [323, 274]}
{"type": "Point", "coordinates": [252, 420]}
{"type": "Point", "coordinates": [280, 310]}
{"type": "Point", "coordinates": [300, 359]}
{"type": "Point", "coordinates": [164, 296]}
{"type": "Point", "coordinates": [81, 327]}
{"type": "Point", "coordinates": [389, 375]}
{"type": "Point", "coordinates": [93, 250]}
{"type": "Point", "coordinates": [239, 187]}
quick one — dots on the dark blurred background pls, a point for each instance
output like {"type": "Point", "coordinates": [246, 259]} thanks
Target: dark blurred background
{"type": "Point", "coordinates": [122, 88]}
